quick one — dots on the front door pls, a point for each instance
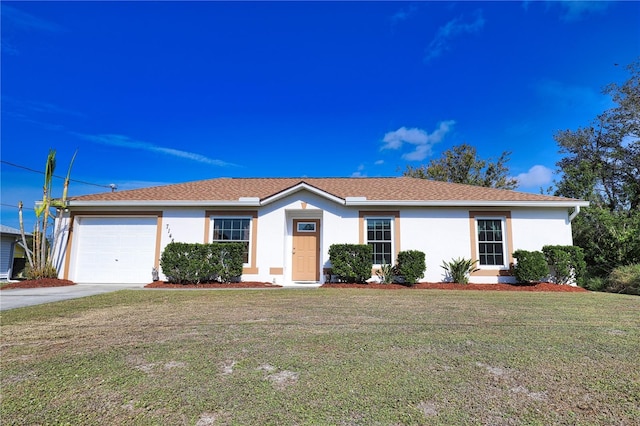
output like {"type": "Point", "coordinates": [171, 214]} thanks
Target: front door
{"type": "Point", "coordinates": [306, 248]}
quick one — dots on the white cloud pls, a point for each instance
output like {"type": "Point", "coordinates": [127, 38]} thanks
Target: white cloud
{"type": "Point", "coordinates": [126, 142]}
{"type": "Point", "coordinates": [574, 10]}
{"type": "Point", "coordinates": [455, 27]}
{"type": "Point", "coordinates": [360, 171]}
{"type": "Point", "coordinates": [27, 21]}
{"type": "Point", "coordinates": [379, 162]}
{"type": "Point", "coordinates": [422, 140]}
{"type": "Point", "coordinates": [403, 14]}
{"type": "Point", "coordinates": [536, 176]}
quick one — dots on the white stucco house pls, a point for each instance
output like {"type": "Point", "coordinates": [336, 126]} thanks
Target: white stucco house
{"type": "Point", "coordinates": [288, 225]}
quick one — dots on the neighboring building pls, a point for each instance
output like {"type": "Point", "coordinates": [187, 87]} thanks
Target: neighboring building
{"type": "Point", "coordinates": [288, 225]}
{"type": "Point", "coordinates": [9, 239]}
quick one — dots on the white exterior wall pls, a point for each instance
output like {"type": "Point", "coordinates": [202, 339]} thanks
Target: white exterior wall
{"type": "Point", "coordinates": [441, 233]}
{"type": "Point", "coordinates": [533, 229]}
{"type": "Point", "coordinates": [275, 233]}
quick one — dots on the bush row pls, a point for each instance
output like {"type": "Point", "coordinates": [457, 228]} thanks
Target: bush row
{"type": "Point", "coordinates": [564, 264]}
{"type": "Point", "coordinates": [193, 263]}
{"type": "Point", "coordinates": [352, 263]}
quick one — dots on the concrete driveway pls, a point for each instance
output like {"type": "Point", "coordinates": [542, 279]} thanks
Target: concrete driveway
{"type": "Point", "coordinates": [17, 298]}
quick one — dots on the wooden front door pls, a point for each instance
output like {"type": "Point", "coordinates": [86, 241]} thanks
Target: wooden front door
{"type": "Point", "coordinates": [306, 248]}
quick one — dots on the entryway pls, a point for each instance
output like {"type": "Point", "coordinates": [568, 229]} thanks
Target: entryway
{"type": "Point", "coordinates": [306, 250]}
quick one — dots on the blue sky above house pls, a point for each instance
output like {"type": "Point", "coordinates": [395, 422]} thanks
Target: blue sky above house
{"type": "Point", "coordinates": [165, 92]}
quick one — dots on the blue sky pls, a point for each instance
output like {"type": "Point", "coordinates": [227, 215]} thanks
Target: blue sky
{"type": "Point", "coordinates": [165, 92]}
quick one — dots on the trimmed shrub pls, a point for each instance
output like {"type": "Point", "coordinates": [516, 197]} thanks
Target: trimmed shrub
{"type": "Point", "coordinates": [458, 270]}
{"type": "Point", "coordinates": [193, 263]}
{"type": "Point", "coordinates": [411, 265]}
{"type": "Point", "coordinates": [351, 262]}
{"type": "Point", "coordinates": [530, 266]}
{"type": "Point", "coordinates": [228, 259]}
{"type": "Point", "coordinates": [624, 279]}
{"type": "Point", "coordinates": [566, 263]}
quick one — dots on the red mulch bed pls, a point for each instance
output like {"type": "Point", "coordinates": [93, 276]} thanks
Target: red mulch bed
{"type": "Point", "coordinates": [42, 282]}
{"type": "Point", "coordinates": [243, 284]}
{"type": "Point", "coordinates": [54, 282]}
{"type": "Point", "coordinates": [454, 286]}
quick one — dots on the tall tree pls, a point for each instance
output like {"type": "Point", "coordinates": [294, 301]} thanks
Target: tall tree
{"type": "Point", "coordinates": [462, 165]}
{"type": "Point", "coordinates": [601, 163]}
{"type": "Point", "coordinates": [40, 257]}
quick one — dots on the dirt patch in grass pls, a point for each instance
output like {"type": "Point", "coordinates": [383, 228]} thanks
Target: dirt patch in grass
{"type": "Point", "coordinates": [42, 282]}
{"type": "Point", "coordinates": [455, 286]}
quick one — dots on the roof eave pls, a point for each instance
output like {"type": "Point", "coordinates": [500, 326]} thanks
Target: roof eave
{"type": "Point", "coordinates": [164, 203]}
{"type": "Point", "coordinates": [469, 203]}
{"type": "Point", "coordinates": [348, 202]}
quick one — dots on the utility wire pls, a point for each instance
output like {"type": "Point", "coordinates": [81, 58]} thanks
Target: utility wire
{"type": "Point", "coordinates": [59, 177]}
{"type": "Point", "coordinates": [15, 207]}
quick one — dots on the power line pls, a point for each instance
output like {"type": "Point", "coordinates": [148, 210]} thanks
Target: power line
{"type": "Point", "coordinates": [59, 177]}
{"type": "Point", "coordinates": [15, 207]}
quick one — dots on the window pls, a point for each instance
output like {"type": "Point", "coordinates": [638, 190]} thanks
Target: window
{"type": "Point", "coordinates": [228, 229]}
{"type": "Point", "coordinates": [306, 227]}
{"type": "Point", "coordinates": [491, 245]}
{"type": "Point", "coordinates": [379, 238]}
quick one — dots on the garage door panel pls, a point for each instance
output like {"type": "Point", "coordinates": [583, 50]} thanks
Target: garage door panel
{"type": "Point", "coordinates": [115, 249]}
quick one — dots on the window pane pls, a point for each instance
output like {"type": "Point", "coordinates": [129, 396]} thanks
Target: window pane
{"type": "Point", "coordinates": [379, 238]}
{"type": "Point", "coordinates": [490, 242]}
{"type": "Point", "coordinates": [230, 230]}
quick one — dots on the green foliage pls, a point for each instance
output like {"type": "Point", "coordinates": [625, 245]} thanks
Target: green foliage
{"type": "Point", "coordinates": [351, 262]}
{"type": "Point", "coordinates": [566, 263]}
{"type": "Point", "coordinates": [186, 263]}
{"type": "Point", "coordinates": [386, 273]}
{"type": "Point", "coordinates": [44, 271]}
{"type": "Point", "coordinates": [624, 279]}
{"type": "Point", "coordinates": [595, 283]}
{"type": "Point", "coordinates": [411, 265]}
{"type": "Point", "coordinates": [40, 256]}
{"type": "Point", "coordinates": [462, 165]}
{"type": "Point", "coordinates": [601, 164]}
{"type": "Point", "coordinates": [608, 238]}
{"type": "Point", "coordinates": [458, 270]}
{"type": "Point", "coordinates": [531, 266]}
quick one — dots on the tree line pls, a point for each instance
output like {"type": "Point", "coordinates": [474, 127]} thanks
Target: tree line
{"type": "Point", "coordinates": [600, 163]}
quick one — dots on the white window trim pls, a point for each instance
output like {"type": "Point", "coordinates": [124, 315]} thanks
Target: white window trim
{"type": "Point", "coordinates": [213, 219]}
{"type": "Point", "coordinates": [505, 249]}
{"type": "Point", "coordinates": [393, 237]}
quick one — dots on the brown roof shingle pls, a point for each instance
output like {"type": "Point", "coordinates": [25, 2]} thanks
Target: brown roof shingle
{"type": "Point", "coordinates": [378, 189]}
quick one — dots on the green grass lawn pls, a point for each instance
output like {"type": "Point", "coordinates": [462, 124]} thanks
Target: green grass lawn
{"type": "Point", "coordinates": [323, 357]}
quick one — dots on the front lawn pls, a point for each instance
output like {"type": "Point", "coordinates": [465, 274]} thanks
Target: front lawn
{"type": "Point", "coordinates": [323, 357]}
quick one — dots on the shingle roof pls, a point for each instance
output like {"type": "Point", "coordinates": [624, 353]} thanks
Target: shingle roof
{"type": "Point", "coordinates": [374, 189]}
{"type": "Point", "coordinates": [4, 229]}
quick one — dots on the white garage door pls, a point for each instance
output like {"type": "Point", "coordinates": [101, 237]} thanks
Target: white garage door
{"type": "Point", "coordinates": [115, 250]}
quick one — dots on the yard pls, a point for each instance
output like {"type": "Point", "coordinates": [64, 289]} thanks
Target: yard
{"type": "Point", "coordinates": [323, 357]}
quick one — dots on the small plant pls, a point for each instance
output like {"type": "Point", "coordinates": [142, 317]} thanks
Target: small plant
{"type": "Point", "coordinates": [411, 265]}
{"type": "Point", "coordinates": [386, 273]}
{"type": "Point", "coordinates": [531, 266]}
{"type": "Point", "coordinates": [458, 270]}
